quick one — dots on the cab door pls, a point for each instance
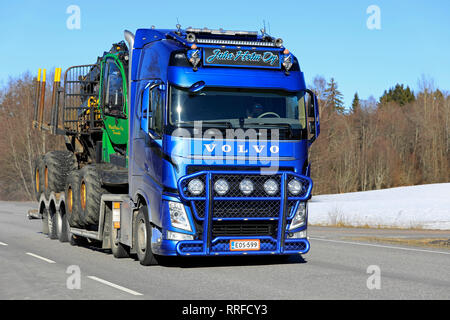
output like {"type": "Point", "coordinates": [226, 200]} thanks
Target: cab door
{"type": "Point", "coordinates": [113, 104]}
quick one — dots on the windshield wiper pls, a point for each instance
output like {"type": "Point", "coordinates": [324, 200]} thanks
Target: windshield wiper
{"type": "Point", "coordinates": [274, 125]}
{"type": "Point", "coordinates": [228, 124]}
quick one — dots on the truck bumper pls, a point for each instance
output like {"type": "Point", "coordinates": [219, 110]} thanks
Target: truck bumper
{"type": "Point", "coordinates": [221, 247]}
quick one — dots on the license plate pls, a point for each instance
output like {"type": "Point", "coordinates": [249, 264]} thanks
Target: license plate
{"type": "Point", "coordinates": [244, 245]}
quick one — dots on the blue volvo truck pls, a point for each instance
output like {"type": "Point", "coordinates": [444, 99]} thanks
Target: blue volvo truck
{"type": "Point", "coordinates": [183, 142]}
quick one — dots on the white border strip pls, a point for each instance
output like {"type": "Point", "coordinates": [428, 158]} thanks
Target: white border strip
{"type": "Point", "coordinates": [3, 244]}
{"type": "Point", "coordinates": [115, 286]}
{"type": "Point", "coordinates": [39, 257]}
{"type": "Point", "coordinates": [380, 246]}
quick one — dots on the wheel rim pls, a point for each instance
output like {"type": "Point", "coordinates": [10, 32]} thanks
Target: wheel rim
{"type": "Point", "coordinates": [58, 223]}
{"type": "Point", "coordinates": [69, 199]}
{"type": "Point", "coordinates": [142, 236]}
{"type": "Point", "coordinates": [83, 195]}
{"type": "Point", "coordinates": [37, 180]}
{"type": "Point", "coordinates": [46, 177]}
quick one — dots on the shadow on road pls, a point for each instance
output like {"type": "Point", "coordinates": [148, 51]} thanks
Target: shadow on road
{"type": "Point", "coordinates": [204, 262]}
{"type": "Point", "coordinates": [230, 261]}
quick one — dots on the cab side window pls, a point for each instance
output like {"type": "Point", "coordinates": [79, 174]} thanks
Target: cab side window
{"type": "Point", "coordinates": [152, 110]}
{"type": "Point", "coordinates": [157, 108]}
{"type": "Point", "coordinates": [113, 99]}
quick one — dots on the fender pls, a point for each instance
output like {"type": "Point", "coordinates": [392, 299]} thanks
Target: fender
{"type": "Point", "coordinates": [141, 193]}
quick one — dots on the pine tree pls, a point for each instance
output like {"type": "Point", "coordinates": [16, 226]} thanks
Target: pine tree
{"type": "Point", "coordinates": [356, 104]}
{"type": "Point", "coordinates": [334, 97]}
{"type": "Point", "coordinates": [398, 95]}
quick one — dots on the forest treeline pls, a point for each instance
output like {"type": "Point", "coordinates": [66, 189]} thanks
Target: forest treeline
{"type": "Point", "coordinates": [400, 139]}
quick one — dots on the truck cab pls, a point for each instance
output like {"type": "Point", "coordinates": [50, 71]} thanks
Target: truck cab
{"type": "Point", "coordinates": [220, 124]}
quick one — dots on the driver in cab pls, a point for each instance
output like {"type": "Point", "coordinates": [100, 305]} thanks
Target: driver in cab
{"type": "Point", "coordinates": [255, 111]}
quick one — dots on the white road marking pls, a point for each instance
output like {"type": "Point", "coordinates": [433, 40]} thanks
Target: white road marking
{"type": "Point", "coordinates": [3, 244]}
{"type": "Point", "coordinates": [381, 246]}
{"type": "Point", "coordinates": [39, 257]}
{"type": "Point", "coordinates": [115, 286]}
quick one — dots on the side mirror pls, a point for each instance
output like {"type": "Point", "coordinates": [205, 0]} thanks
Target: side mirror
{"type": "Point", "coordinates": [145, 110]}
{"type": "Point", "coordinates": [312, 127]}
{"type": "Point", "coordinates": [312, 110]}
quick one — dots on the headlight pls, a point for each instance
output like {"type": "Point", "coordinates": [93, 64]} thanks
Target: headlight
{"type": "Point", "coordinates": [295, 187]}
{"type": "Point", "coordinates": [178, 216]}
{"type": "Point", "coordinates": [271, 187]}
{"type": "Point", "coordinates": [299, 217]}
{"type": "Point", "coordinates": [196, 187]}
{"type": "Point", "coordinates": [246, 186]}
{"type": "Point", "coordinates": [221, 186]}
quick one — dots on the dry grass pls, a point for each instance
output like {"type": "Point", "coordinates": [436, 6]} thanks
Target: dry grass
{"type": "Point", "coordinates": [417, 242]}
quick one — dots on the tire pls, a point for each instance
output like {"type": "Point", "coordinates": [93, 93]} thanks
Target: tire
{"type": "Point", "coordinates": [52, 222]}
{"type": "Point", "coordinates": [118, 249]}
{"type": "Point", "coordinates": [62, 225]}
{"type": "Point", "coordinates": [38, 177]}
{"type": "Point", "coordinates": [90, 195]}
{"type": "Point", "coordinates": [57, 166]}
{"type": "Point", "coordinates": [72, 192]}
{"type": "Point", "coordinates": [142, 238]}
{"type": "Point", "coordinates": [45, 221]}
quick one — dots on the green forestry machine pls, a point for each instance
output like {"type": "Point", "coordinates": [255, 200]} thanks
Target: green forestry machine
{"type": "Point", "coordinates": [95, 160]}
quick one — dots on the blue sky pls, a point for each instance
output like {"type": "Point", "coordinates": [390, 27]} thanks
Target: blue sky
{"type": "Point", "coordinates": [330, 38]}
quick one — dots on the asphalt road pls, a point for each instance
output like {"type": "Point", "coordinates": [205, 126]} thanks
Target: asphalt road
{"type": "Point", "coordinates": [35, 267]}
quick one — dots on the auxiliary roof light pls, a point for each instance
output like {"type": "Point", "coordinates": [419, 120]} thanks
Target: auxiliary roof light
{"type": "Point", "coordinates": [279, 42]}
{"type": "Point", "coordinates": [190, 37]}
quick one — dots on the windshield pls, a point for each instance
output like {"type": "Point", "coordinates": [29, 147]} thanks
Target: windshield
{"type": "Point", "coordinates": [238, 107]}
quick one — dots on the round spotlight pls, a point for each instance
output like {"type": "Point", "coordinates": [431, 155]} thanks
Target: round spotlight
{"type": "Point", "coordinates": [190, 37]}
{"type": "Point", "coordinates": [221, 186]}
{"type": "Point", "coordinates": [246, 186]}
{"type": "Point", "coordinates": [279, 42]}
{"type": "Point", "coordinates": [295, 186]}
{"type": "Point", "coordinates": [271, 187]}
{"type": "Point", "coordinates": [196, 187]}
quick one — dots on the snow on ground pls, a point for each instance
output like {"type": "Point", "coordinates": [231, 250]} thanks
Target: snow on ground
{"type": "Point", "coordinates": [424, 206]}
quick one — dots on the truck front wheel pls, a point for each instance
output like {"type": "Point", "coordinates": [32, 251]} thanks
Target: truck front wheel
{"type": "Point", "coordinates": [143, 238]}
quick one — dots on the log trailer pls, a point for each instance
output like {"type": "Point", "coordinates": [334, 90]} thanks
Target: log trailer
{"type": "Point", "coordinates": [183, 142]}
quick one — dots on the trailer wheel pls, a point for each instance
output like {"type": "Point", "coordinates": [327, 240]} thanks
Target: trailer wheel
{"type": "Point", "coordinates": [142, 238]}
{"type": "Point", "coordinates": [118, 249]}
{"type": "Point", "coordinates": [90, 194]}
{"type": "Point", "coordinates": [52, 222]}
{"type": "Point", "coordinates": [38, 178]}
{"type": "Point", "coordinates": [73, 200]}
{"type": "Point", "coordinates": [63, 228]}
{"type": "Point", "coordinates": [44, 212]}
{"type": "Point", "coordinates": [56, 167]}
